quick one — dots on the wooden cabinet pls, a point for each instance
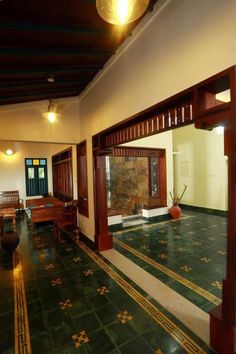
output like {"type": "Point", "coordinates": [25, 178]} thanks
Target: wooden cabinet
{"type": "Point", "coordinates": [63, 175]}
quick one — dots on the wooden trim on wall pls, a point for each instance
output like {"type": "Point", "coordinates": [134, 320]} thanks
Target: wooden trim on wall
{"type": "Point", "coordinates": [193, 105]}
{"type": "Point", "coordinates": [62, 171]}
{"type": "Point", "coordinates": [82, 178]}
{"type": "Point", "coordinates": [136, 152]}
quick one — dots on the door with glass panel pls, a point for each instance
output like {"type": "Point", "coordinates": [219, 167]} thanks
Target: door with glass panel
{"type": "Point", "coordinates": [36, 176]}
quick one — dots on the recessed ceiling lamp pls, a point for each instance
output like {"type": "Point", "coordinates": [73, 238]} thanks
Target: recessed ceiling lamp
{"type": "Point", "coordinates": [120, 12]}
{"type": "Point", "coordinates": [51, 113]}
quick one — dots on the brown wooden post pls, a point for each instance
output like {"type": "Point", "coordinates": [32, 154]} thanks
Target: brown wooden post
{"type": "Point", "coordinates": [103, 238]}
{"type": "Point", "coordinates": [223, 317]}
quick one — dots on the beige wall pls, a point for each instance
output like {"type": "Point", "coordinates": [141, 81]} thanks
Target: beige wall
{"type": "Point", "coordinates": [24, 122]}
{"type": "Point", "coordinates": [186, 42]}
{"type": "Point", "coordinates": [199, 162]}
{"type": "Point", "coordinates": [12, 168]}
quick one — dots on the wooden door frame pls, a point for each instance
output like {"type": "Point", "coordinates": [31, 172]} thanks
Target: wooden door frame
{"type": "Point", "coordinates": [82, 197]}
{"type": "Point", "coordinates": [60, 158]}
{"type": "Point", "coordinates": [198, 105]}
{"type": "Point", "coordinates": [132, 151]}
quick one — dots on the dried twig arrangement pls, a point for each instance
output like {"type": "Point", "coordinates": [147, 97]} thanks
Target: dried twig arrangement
{"type": "Point", "coordinates": [174, 198]}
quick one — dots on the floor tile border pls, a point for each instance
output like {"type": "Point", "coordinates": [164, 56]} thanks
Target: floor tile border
{"type": "Point", "coordinates": [21, 323]}
{"type": "Point", "coordinates": [168, 325]}
{"type": "Point", "coordinates": [194, 287]}
{"type": "Point", "coordinates": [148, 226]}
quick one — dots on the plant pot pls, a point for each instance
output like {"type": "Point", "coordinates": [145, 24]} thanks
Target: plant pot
{"type": "Point", "coordinates": [175, 211]}
{"type": "Point", "coordinates": [10, 241]}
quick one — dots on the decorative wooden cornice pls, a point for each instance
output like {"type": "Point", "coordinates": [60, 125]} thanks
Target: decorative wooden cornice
{"type": "Point", "coordinates": [198, 104]}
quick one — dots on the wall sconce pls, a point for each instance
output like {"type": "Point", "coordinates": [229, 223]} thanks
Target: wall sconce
{"type": "Point", "coordinates": [120, 12]}
{"type": "Point", "coordinates": [51, 113]}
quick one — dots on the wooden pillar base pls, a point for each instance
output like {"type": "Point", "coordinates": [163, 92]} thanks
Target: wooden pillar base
{"type": "Point", "coordinates": [222, 333]}
{"type": "Point", "coordinates": [104, 242]}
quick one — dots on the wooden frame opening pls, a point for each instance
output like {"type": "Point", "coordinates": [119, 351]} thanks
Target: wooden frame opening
{"type": "Point", "coordinates": [200, 105]}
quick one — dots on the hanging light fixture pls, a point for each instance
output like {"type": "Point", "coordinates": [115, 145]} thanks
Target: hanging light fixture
{"type": "Point", "coordinates": [51, 113]}
{"type": "Point", "coordinates": [120, 12]}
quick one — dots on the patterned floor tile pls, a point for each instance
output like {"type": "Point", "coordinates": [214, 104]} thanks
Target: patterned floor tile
{"type": "Point", "coordinates": [197, 254]}
{"type": "Point", "coordinates": [73, 303]}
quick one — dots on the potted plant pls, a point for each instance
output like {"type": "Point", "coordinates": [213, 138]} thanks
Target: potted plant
{"type": "Point", "coordinates": [175, 210]}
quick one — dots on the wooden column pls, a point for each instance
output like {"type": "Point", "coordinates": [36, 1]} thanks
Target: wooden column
{"type": "Point", "coordinates": [103, 238]}
{"type": "Point", "coordinates": [223, 317]}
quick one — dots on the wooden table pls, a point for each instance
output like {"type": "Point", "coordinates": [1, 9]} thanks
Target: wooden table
{"type": "Point", "coordinates": [43, 209]}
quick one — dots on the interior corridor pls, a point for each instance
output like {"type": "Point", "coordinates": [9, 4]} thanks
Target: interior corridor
{"type": "Point", "coordinates": [150, 294]}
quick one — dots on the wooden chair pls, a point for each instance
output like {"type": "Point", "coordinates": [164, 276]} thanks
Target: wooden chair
{"type": "Point", "coordinates": [66, 218]}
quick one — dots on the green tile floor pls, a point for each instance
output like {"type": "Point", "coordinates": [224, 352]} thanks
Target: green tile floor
{"type": "Point", "coordinates": [6, 304]}
{"type": "Point", "coordinates": [79, 303]}
{"type": "Point", "coordinates": [183, 254]}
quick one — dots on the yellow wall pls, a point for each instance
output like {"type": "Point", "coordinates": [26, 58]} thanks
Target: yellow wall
{"type": "Point", "coordinates": [12, 168]}
{"type": "Point", "coordinates": [199, 162]}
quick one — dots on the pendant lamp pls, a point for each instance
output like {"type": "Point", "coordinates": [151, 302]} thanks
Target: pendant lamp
{"type": "Point", "coordinates": [120, 12]}
{"type": "Point", "coordinates": [51, 113]}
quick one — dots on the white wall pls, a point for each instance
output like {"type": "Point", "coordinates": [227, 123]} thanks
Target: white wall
{"type": "Point", "coordinates": [12, 168]}
{"type": "Point", "coordinates": [201, 165]}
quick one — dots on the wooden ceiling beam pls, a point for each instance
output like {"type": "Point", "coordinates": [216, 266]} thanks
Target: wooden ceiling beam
{"type": "Point", "coordinates": [39, 84]}
{"type": "Point", "coordinates": [39, 95]}
{"type": "Point", "coordinates": [23, 52]}
{"type": "Point", "coordinates": [39, 27]}
{"type": "Point", "coordinates": [49, 69]}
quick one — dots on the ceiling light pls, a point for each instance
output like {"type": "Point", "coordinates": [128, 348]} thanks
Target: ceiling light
{"type": "Point", "coordinates": [51, 113]}
{"type": "Point", "coordinates": [9, 152]}
{"type": "Point", "coordinates": [120, 12]}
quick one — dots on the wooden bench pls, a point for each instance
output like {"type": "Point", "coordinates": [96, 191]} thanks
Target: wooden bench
{"type": "Point", "coordinates": [10, 199]}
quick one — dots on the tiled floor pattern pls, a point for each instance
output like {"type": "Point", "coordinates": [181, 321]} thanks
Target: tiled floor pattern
{"type": "Point", "coordinates": [21, 324]}
{"type": "Point", "coordinates": [188, 255]}
{"type": "Point", "coordinates": [169, 326]}
{"type": "Point", "coordinates": [6, 304]}
{"type": "Point", "coordinates": [189, 314]}
{"type": "Point", "coordinates": [78, 303]}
